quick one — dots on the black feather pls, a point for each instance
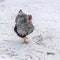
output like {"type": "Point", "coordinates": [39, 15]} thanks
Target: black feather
{"type": "Point", "coordinates": [15, 29]}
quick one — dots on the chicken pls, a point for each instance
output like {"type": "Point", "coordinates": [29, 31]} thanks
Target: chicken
{"type": "Point", "coordinates": [23, 26]}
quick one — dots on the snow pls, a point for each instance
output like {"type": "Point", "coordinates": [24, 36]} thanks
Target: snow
{"type": "Point", "coordinates": [44, 41]}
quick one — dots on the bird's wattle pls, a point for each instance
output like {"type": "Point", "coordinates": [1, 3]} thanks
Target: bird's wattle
{"type": "Point", "coordinates": [29, 17]}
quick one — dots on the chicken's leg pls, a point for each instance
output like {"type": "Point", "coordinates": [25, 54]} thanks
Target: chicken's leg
{"type": "Point", "coordinates": [25, 40]}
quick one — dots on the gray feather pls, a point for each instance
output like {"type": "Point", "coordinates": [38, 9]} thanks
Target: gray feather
{"type": "Point", "coordinates": [24, 26]}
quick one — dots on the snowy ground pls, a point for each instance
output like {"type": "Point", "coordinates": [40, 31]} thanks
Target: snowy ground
{"type": "Point", "coordinates": [44, 41]}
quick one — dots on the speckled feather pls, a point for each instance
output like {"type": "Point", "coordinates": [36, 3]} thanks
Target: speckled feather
{"type": "Point", "coordinates": [23, 26]}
